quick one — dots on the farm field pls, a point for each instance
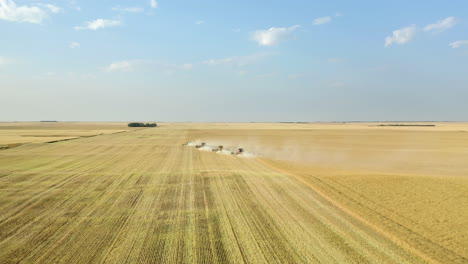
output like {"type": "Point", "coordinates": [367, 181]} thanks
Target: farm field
{"type": "Point", "coordinates": [17, 133]}
{"type": "Point", "coordinates": [310, 193]}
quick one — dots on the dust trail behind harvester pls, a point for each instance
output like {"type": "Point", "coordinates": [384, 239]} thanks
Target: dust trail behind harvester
{"type": "Point", "coordinates": [220, 148]}
{"type": "Point", "coordinates": [400, 152]}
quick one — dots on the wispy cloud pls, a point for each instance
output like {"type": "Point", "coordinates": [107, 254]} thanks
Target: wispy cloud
{"type": "Point", "coordinates": [401, 36]}
{"type": "Point", "coordinates": [121, 66]}
{"type": "Point", "coordinates": [9, 11]}
{"type": "Point", "coordinates": [133, 65]}
{"type": "Point", "coordinates": [99, 24]}
{"type": "Point", "coordinates": [322, 20]}
{"type": "Point", "coordinates": [3, 61]}
{"type": "Point", "coordinates": [52, 8]}
{"type": "Point", "coordinates": [238, 61]}
{"type": "Point", "coordinates": [274, 36]}
{"type": "Point", "coordinates": [128, 9]}
{"type": "Point", "coordinates": [326, 19]}
{"type": "Point", "coordinates": [74, 5]}
{"type": "Point", "coordinates": [441, 25]}
{"type": "Point", "coordinates": [74, 45]}
{"type": "Point", "coordinates": [199, 22]}
{"type": "Point", "coordinates": [153, 4]}
{"type": "Point", "coordinates": [458, 44]}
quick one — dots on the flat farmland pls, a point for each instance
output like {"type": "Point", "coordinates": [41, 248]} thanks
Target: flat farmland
{"type": "Point", "coordinates": [18, 133]}
{"type": "Point", "coordinates": [308, 193]}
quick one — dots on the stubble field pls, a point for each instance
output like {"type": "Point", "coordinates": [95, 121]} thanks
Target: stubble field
{"type": "Point", "coordinates": [310, 193]}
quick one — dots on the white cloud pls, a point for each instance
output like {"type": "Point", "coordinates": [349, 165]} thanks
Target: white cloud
{"type": "Point", "coordinates": [185, 66]}
{"type": "Point", "coordinates": [52, 8]}
{"type": "Point", "coordinates": [322, 20]}
{"type": "Point", "coordinates": [132, 65]}
{"type": "Point", "coordinates": [239, 61]}
{"type": "Point", "coordinates": [99, 23]}
{"type": "Point", "coordinates": [458, 44]}
{"type": "Point", "coordinates": [401, 36]}
{"type": "Point", "coordinates": [442, 25]}
{"type": "Point", "coordinates": [9, 11]}
{"type": "Point", "coordinates": [128, 9]}
{"type": "Point", "coordinates": [74, 45]}
{"type": "Point", "coordinates": [199, 22]}
{"type": "Point", "coordinates": [273, 36]}
{"type": "Point", "coordinates": [121, 66]}
{"type": "Point", "coordinates": [153, 4]}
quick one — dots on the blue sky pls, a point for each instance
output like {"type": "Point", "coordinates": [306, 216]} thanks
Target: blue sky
{"type": "Point", "coordinates": [233, 60]}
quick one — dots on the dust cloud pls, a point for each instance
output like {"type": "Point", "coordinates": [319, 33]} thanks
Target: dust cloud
{"type": "Point", "coordinates": [407, 152]}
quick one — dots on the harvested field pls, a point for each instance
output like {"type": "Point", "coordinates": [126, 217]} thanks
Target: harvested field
{"type": "Point", "coordinates": [37, 132]}
{"type": "Point", "coordinates": [314, 193]}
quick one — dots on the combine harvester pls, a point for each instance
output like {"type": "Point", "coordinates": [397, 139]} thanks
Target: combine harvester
{"type": "Point", "coordinates": [219, 149]}
{"type": "Point", "coordinates": [201, 145]}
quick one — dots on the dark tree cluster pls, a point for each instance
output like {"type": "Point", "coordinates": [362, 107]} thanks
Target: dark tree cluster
{"type": "Point", "coordinates": [142, 125]}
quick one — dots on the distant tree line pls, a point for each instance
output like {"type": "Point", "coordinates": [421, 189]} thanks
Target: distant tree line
{"type": "Point", "coordinates": [142, 125]}
{"type": "Point", "coordinates": [407, 125]}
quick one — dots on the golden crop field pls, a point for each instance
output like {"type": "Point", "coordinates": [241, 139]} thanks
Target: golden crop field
{"type": "Point", "coordinates": [308, 193]}
{"type": "Point", "coordinates": [33, 132]}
